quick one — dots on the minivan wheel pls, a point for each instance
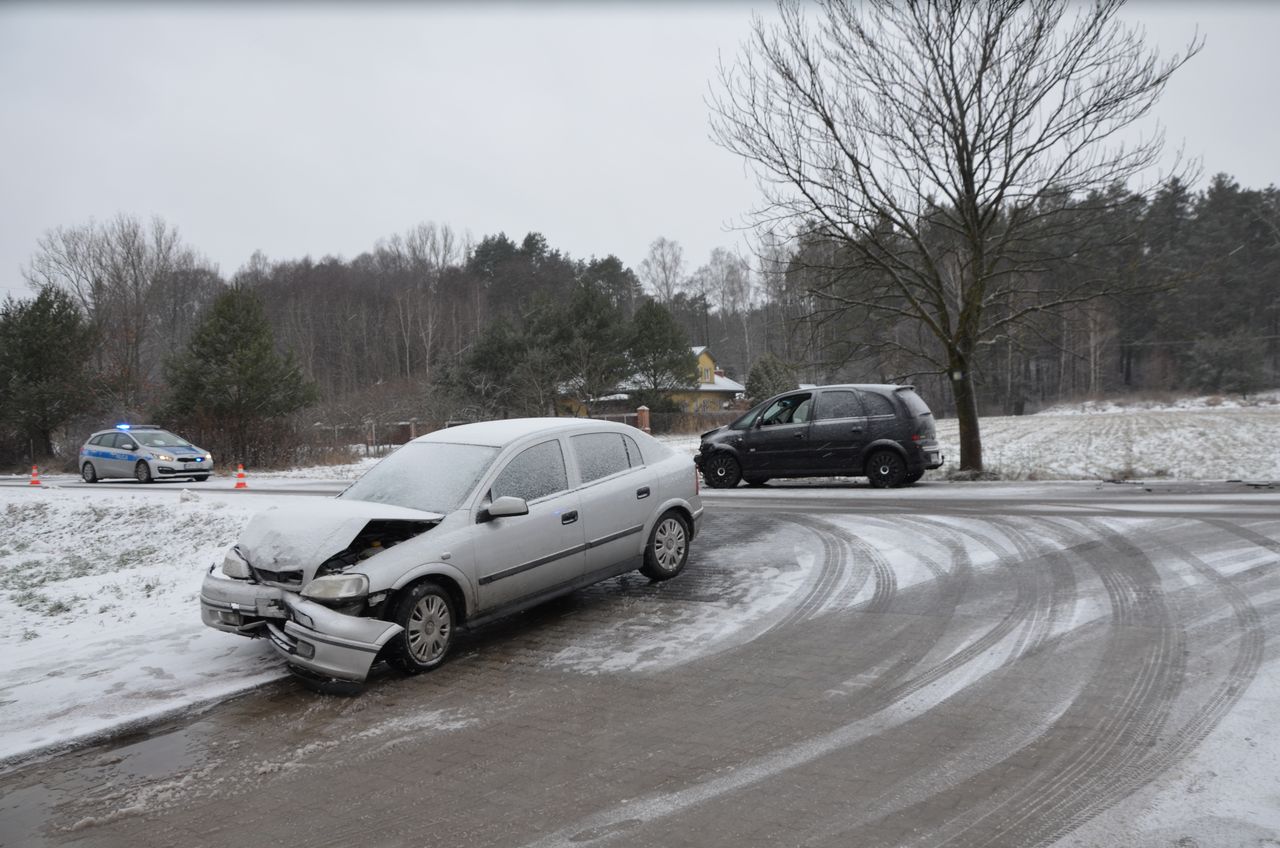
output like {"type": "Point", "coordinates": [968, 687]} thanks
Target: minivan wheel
{"type": "Point", "coordinates": [668, 549]}
{"type": "Point", "coordinates": [426, 614]}
{"type": "Point", "coordinates": [89, 473]}
{"type": "Point", "coordinates": [722, 471]}
{"type": "Point", "coordinates": [142, 471]}
{"type": "Point", "coordinates": [885, 469]}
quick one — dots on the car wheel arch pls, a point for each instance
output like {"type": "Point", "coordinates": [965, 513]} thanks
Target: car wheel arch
{"type": "Point", "coordinates": [676, 504]}
{"type": "Point", "coordinates": [451, 579]}
{"type": "Point", "coordinates": [878, 445]}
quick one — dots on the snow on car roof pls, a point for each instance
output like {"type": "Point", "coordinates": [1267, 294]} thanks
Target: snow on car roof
{"type": "Point", "coordinates": [504, 432]}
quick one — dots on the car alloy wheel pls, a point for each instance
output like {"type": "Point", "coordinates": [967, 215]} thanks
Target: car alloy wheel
{"type": "Point", "coordinates": [668, 549]}
{"type": "Point", "coordinates": [89, 473]}
{"type": "Point", "coordinates": [722, 471]}
{"type": "Point", "coordinates": [142, 471]}
{"type": "Point", "coordinates": [429, 630]}
{"type": "Point", "coordinates": [426, 615]}
{"type": "Point", "coordinates": [885, 469]}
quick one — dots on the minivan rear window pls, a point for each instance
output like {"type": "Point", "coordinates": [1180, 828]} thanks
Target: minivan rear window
{"type": "Point", "coordinates": [915, 404]}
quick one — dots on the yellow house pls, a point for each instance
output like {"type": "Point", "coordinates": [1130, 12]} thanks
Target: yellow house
{"type": "Point", "coordinates": [714, 391]}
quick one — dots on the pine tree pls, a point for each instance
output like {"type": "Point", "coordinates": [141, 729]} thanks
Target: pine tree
{"type": "Point", "coordinates": [45, 348]}
{"type": "Point", "coordinates": [659, 353]}
{"type": "Point", "coordinates": [769, 376]}
{"type": "Point", "coordinates": [232, 379]}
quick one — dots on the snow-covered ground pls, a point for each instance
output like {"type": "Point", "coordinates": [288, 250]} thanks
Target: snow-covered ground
{"type": "Point", "coordinates": [99, 618]}
{"type": "Point", "coordinates": [99, 613]}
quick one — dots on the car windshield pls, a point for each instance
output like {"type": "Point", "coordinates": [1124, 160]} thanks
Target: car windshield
{"type": "Point", "coordinates": [430, 476]}
{"type": "Point", "coordinates": [160, 439]}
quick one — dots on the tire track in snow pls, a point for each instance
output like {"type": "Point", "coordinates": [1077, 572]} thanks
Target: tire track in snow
{"type": "Point", "coordinates": [1099, 745]}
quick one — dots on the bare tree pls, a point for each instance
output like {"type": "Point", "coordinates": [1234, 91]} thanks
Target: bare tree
{"type": "Point", "coordinates": [935, 143]}
{"type": "Point", "coordinates": [663, 269]}
{"type": "Point", "coordinates": [141, 288]}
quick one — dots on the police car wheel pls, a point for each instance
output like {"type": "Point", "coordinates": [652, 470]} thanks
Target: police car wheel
{"type": "Point", "coordinates": [89, 473]}
{"type": "Point", "coordinates": [143, 472]}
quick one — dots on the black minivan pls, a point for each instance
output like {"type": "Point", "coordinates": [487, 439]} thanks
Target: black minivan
{"type": "Point", "coordinates": [882, 432]}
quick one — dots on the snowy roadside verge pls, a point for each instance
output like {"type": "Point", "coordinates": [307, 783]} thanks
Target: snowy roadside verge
{"type": "Point", "coordinates": [99, 612]}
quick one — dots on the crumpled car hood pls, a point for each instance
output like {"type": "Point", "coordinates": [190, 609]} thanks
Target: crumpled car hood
{"type": "Point", "coordinates": [302, 537]}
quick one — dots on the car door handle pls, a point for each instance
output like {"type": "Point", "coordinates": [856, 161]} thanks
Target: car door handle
{"type": "Point", "coordinates": [642, 493]}
{"type": "Point", "coordinates": [798, 436]}
{"type": "Point", "coordinates": [569, 517]}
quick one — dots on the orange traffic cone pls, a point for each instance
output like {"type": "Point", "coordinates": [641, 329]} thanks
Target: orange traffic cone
{"type": "Point", "coordinates": [240, 483]}
{"type": "Point", "coordinates": [35, 476]}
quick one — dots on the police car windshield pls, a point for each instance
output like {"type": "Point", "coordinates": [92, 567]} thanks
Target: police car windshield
{"type": "Point", "coordinates": [161, 439]}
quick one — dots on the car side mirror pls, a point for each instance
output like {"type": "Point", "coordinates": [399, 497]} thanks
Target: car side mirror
{"type": "Point", "coordinates": [503, 506]}
{"type": "Point", "coordinates": [129, 446]}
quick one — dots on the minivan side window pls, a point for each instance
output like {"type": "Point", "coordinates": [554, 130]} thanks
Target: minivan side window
{"type": "Point", "coordinates": [599, 455]}
{"type": "Point", "coordinates": [877, 404]}
{"type": "Point", "coordinates": [534, 473]}
{"type": "Point", "coordinates": [838, 404]}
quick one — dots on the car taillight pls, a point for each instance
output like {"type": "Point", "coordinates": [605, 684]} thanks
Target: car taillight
{"type": "Point", "coordinates": [916, 437]}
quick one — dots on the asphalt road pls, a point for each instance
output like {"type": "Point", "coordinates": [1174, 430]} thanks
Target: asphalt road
{"type": "Point", "coordinates": [1085, 666]}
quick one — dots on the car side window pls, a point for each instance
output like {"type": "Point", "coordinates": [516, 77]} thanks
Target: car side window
{"type": "Point", "coordinates": [98, 440]}
{"type": "Point", "coordinates": [599, 455]}
{"type": "Point", "coordinates": [838, 404]}
{"type": "Point", "coordinates": [877, 404]}
{"type": "Point", "coordinates": [533, 473]}
{"type": "Point", "coordinates": [784, 410]}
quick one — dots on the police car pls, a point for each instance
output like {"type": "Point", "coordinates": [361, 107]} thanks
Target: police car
{"type": "Point", "coordinates": [144, 452]}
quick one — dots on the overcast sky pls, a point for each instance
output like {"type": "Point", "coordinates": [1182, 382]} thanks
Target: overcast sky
{"type": "Point", "coordinates": [303, 129]}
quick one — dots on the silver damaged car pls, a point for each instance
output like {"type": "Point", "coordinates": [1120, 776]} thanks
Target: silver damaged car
{"type": "Point", "coordinates": [457, 527]}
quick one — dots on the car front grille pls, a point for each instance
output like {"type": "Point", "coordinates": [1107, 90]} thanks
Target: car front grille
{"type": "Point", "coordinates": [190, 459]}
{"type": "Point", "coordinates": [284, 579]}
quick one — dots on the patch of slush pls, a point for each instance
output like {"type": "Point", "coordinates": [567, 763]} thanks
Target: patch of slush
{"type": "Point", "coordinates": [99, 599]}
{"type": "Point", "coordinates": [652, 639]}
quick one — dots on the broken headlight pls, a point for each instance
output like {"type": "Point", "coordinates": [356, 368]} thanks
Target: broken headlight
{"type": "Point", "coordinates": [337, 587]}
{"type": "Point", "coordinates": [235, 565]}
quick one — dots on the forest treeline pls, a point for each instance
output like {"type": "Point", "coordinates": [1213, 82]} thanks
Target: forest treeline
{"type": "Point", "coordinates": [1178, 293]}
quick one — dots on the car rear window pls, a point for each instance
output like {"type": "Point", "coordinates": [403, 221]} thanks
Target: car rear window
{"type": "Point", "coordinates": [915, 404]}
{"type": "Point", "coordinates": [877, 404]}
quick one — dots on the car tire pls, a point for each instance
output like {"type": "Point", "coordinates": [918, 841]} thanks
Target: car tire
{"type": "Point", "coordinates": [913, 477]}
{"type": "Point", "coordinates": [756, 481]}
{"type": "Point", "coordinates": [886, 469]}
{"type": "Point", "coordinates": [667, 550]}
{"type": "Point", "coordinates": [427, 615]}
{"type": "Point", "coordinates": [143, 472]}
{"type": "Point", "coordinates": [722, 471]}
{"type": "Point", "coordinates": [89, 473]}
{"type": "Point", "coordinates": [200, 478]}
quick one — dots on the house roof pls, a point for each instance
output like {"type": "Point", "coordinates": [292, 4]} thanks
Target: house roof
{"type": "Point", "coordinates": [721, 383]}
{"type": "Point", "coordinates": [697, 351]}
